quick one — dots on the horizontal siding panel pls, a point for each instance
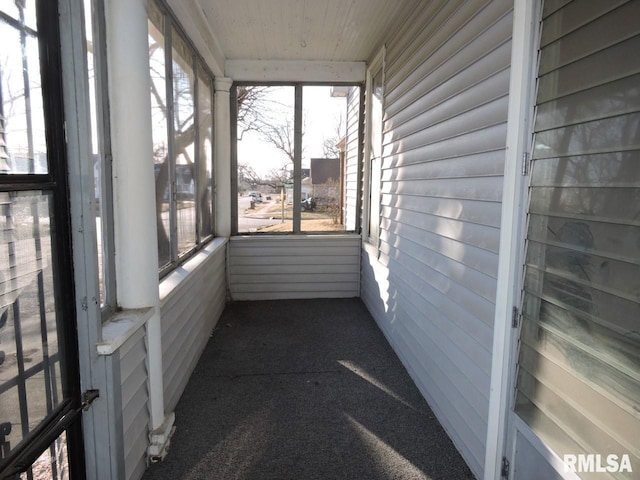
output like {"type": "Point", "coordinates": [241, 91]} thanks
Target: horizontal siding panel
{"type": "Point", "coordinates": [194, 339]}
{"type": "Point", "coordinates": [481, 212]}
{"type": "Point", "coordinates": [294, 267]}
{"type": "Point", "coordinates": [454, 312]}
{"type": "Point", "coordinates": [443, 104]}
{"type": "Point", "coordinates": [295, 250]}
{"type": "Point", "coordinates": [454, 343]}
{"type": "Point", "coordinates": [461, 393]}
{"type": "Point", "coordinates": [490, 139]}
{"type": "Point", "coordinates": [280, 278]}
{"type": "Point", "coordinates": [137, 422]}
{"type": "Point", "coordinates": [493, 63]}
{"type": "Point", "coordinates": [134, 384]}
{"type": "Point", "coordinates": [135, 453]}
{"type": "Point", "coordinates": [285, 295]}
{"type": "Point", "coordinates": [431, 26]}
{"type": "Point", "coordinates": [452, 358]}
{"type": "Point", "coordinates": [247, 260]}
{"type": "Point", "coordinates": [352, 159]}
{"type": "Point", "coordinates": [488, 189]}
{"type": "Point", "coordinates": [480, 236]}
{"type": "Point", "coordinates": [481, 164]}
{"type": "Point", "coordinates": [448, 408]}
{"type": "Point", "coordinates": [190, 316]}
{"type": "Point", "coordinates": [318, 286]}
{"type": "Point", "coordinates": [189, 312]}
{"type": "Point", "coordinates": [179, 371]}
{"type": "Point", "coordinates": [469, 255]}
{"type": "Point", "coordinates": [451, 52]}
{"type": "Point", "coordinates": [410, 136]}
{"type": "Point", "coordinates": [179, 307]}
{"type": "Point", "coordinates": [431, 284]}
{"type": "Point", "coordinates": [133, 354]}
{"type": "Point", "coordinates": [462, 284]}
{"type": "Point", "coordinates": [134, 401]}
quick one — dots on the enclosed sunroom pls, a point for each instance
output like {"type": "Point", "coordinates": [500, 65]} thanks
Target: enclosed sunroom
{"type": "Point", "coordinates": [467, 170]}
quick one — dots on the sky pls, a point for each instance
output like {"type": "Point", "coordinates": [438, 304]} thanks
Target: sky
{"type": "Point", "coordinates": [321, 114]}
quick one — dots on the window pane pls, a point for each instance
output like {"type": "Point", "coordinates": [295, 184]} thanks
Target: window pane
{"type": "Point", "coordinates": [22, 138]}
{"type": "Point", "coordinates": [325, 111]}
{"type": "Point", "coordinates": [160, 132]}
{"type": "Point", "coordinates": [53, 464]}
{"type": "Point", "coordinates": [578, 383]}
{"type": "Point", "coordinates": [31, 384]}
{"type": "Point", "coordinates": [375, 161]}
{"type": "Point", "coordinates": [265, 158]}
{"type": "Point", "coordinates": [21, 12]}
{"type": "Point", "coordinates": [205, 126]}
{"type": "Point", "coordinates": [184, 142]}
{"type": "Point", "coordinates": [97, 154]}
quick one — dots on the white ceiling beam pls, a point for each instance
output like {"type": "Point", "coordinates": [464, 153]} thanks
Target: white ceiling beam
{"type": "Point", "coordinates": [198, 29]}
{"type": "Point", "coordinates": [295, 71]}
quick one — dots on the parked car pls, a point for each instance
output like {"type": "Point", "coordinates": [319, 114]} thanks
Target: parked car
{"type": "Point", "coordinates": [256, 197]}
{"type": "Point", "coordinates": [308, 204]}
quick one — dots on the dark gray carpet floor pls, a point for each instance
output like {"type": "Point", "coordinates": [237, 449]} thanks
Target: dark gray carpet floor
{"type": "Point", "coordinates": [305, 389]}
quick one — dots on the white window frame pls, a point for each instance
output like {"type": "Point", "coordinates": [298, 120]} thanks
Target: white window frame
{"type": "Point", "coordinates": [376, 66]}
{"type": "Point", "coordinates": [197, 64]}
{"type": "Point", "coordinates": [103, 134]}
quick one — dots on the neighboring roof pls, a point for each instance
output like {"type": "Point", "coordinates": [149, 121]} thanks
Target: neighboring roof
{"type": "Point", "coordinates": [325, 169]}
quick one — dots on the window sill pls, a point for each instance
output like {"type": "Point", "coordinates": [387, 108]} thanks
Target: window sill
{"type": "Point", "coordinates": [173, 280]}
{"type": "Point", "coordinates": [122, 326]}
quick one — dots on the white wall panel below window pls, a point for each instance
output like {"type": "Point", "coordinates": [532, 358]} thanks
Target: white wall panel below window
{"type": "Point", "coordinates": [301, 266]}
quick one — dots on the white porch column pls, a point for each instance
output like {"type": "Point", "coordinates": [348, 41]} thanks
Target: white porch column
{"type": "Point", "coordinates": [223, 157]}
{"type": "Point", "coordinates": [136, 256]}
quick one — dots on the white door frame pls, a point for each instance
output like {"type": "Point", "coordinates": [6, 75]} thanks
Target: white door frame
{"type": "Point", "coordinates": [524, 60]}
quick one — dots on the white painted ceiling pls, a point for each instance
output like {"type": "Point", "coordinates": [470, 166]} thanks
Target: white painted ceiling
{"type": "Point", "coordinates": [321, 30]}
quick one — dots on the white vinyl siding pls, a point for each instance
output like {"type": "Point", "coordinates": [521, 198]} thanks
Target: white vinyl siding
{"type": "Point", "coordinates": [578, 368]}
{"type": "Point", "coordinates": [279, 267]}
{"type": "Point", "coordinates": [135, 397]}
{"type": "Point", "coordinates": [189, 313]}
{"type": "Point", "coordinates": [352, 160]}
{"type": "Point", "coordinates": [432, 284]}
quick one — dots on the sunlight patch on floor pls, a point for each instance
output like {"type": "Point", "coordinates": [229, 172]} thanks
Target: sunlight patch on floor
{"type": "Point", "coordinates": [352, 367]}
{"type": "Point", "coordinates": [385, 457]}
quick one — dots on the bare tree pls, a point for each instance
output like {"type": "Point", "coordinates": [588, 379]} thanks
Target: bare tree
{"type": "Point", "coordinates": [274, 179]}
{"type": "Point", "coordinates": [273, 121]}
{"type": "Point", "coordinates": [281, 136]}
{"type": "Point", "coordinates": [330, 147]}
{"type": "Point", "coordinates": [252, 108]}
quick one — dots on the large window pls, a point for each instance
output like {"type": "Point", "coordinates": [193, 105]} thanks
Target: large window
{"type": "Point", "coordinates": [182, 118]}
{"type": "Point", "coordinates": [293, 159]}
{"type": "Point", "coordinates": [578, 374]}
